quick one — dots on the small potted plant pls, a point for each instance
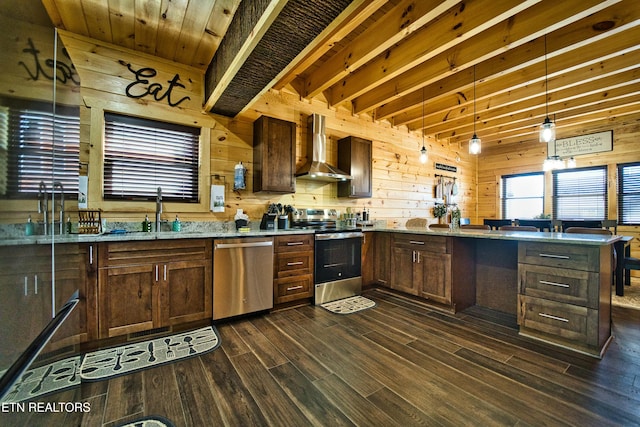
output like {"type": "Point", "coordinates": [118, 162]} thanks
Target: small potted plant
{"type": "Point", "coordinates": [439, 211]}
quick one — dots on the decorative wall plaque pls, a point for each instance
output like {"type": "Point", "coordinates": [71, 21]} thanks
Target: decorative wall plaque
{"type": "Point", "coordinates": [584, 144]}
{"type": "Point", "coordinates": [444, 167]}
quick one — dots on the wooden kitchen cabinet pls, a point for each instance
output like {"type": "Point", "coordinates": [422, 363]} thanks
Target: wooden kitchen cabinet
{"type": "Point", "coordinates": [564, 294]}
{"type": "Point", "coordinates": [293, 269]}
{"type": "Point", "coordinates": [355, 157]}
{"type": "Point", "coordinates": [26, 296]}
{"type": "Point", "coordinates": [149, 285]}
{"type": "Point", "coordinates": [367, 262]}
{"type": "Point", "coordinates": [382, 258]}
{"type": "Point", "coordinates": [421, 266]}
{"type": "Point", "coordinates": [274, 155]}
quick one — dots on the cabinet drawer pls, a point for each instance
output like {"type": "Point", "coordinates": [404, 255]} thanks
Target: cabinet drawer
{"type": "Point", "coordinates": [564, 321]}
{"type": "Point", "coordinates": [294, 243]}
{"type": "Point", "coordinates": [560, 255]}
{"type": "Point", "coordinates": [293, 263]}
{"type": "Point", "coordinates": [560, 284]}
{"type": "Point", "coordinates": [148, 252]}
{"type": "Point", "coordinates": [293, 288]}
{"type": "Point", "coordinates": [438, 244]}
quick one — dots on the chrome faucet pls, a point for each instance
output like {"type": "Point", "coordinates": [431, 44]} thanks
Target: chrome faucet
{"type": "Point", "coordinates": [158, 208]}
{"type": "Point", "coordinates": [58, 184]}
{"type": "Point", "coordinates": [43, 204]}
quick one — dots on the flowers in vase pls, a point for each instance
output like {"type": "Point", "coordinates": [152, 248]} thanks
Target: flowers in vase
{"type": "Point", "coordinates": [439, 210]}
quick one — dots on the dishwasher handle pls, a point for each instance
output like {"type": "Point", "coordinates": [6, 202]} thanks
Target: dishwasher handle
{"type": "Point", "coordinates": [243, 245]}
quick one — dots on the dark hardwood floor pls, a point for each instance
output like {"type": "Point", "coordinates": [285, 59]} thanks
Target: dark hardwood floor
{"type": "Point", "coordinates": [401, 363]}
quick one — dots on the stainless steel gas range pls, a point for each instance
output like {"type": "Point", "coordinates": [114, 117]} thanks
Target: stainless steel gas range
{"type": "Point", "coordinates": [337, 260]}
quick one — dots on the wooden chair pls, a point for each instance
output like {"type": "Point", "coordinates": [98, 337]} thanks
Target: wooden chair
{"type": "Point", "coordinates": [439, 226]}
{"type": "Point", "coordinates": [416, 223]}
{"type": "Point", "coordinates": [518, 228]}
{"type": "Point", "coordinates": [475, 227]}
{"type": "Point", "coordinates": [588, 230]}
{"type": "Point", "coordinates": [603, 232]}
{"type": "Point", "coordinates": [630, 263]}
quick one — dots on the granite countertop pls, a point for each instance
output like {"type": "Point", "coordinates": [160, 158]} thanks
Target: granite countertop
{"type": "Point", "coordinates": [141, 236]}
{"type": "Point", "coordinates": [547, 237]}
{"type": "Point", "coordinates": [530, 236]}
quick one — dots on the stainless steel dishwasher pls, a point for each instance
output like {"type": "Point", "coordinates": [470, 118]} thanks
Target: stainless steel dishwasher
{"type": "Point", "coordinates": [242, 276]}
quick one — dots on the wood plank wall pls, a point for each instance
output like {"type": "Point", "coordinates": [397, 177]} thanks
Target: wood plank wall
{"type": "Point", "coordinates": [403, 187]}
{"type": "Point", "coordinates": [528, 157]}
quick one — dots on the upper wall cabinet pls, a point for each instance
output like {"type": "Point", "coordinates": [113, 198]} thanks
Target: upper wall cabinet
{"type": "Point", "coordinates": [354, 157]}
{"type": "Point", "coordinates": [274, 155]}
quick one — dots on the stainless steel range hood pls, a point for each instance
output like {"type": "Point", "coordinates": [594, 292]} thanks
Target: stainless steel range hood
{"type": "Point", "coordinates": [317, 168]}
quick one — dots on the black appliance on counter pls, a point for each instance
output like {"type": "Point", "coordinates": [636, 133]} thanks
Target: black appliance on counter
{"type": "Point", "coordinates": [337, 259]}
{"type": "Point", "coordinates": [268, 221]}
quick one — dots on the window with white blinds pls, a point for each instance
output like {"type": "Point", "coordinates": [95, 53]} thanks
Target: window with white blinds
{"type": "Point", "coordinates": [141, 155]}
{"type": "Point", "coordinates": [629, 194]}
{"type": "Point", "coordinates": [523, 195]}
{"type": "Point", "coordinates": [580, 193]}
{"type": "Point", "coordinates": [38, 145]}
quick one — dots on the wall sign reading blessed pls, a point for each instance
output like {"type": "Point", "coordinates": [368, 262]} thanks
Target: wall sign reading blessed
{"type": "Point", "coordinates": [141, 87]}
{"type": "Point", "coordinates": [584, 144]}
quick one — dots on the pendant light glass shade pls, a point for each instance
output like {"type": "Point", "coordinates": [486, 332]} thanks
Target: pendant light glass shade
{"type": "Point", "coordinates": [571, 163]}
{"type": "Point", "coordinates": [547, 131]}
{"type": "Point", "coordinates": [475, 144]}
{"type": "Point", "coordinates": [553, 163]}
{"type": "Point", "coordinates": [423, 155]}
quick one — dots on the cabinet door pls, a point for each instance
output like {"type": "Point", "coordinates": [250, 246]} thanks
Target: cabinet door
{"type": "Point", "coordinates": [403, 276]}
{"type": "Point", "coordinates": [436, 276]}
{"type": "Point", "coordinates": [72, 273]}
{"type": "Point", "coordinates": [367, 258]}
{"type": "Point", "coordinates": [354, 157]}
{"type": "Point", "coordinates": [127, 297]}
{"type": "Point", "coordinates": [382, 258]}
{"type": "Point", "coordinates": [186, 293]}
{"type": "Point", "coordinates": [274, 155]}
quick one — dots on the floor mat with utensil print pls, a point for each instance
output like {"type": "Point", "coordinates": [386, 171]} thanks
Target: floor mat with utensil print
{"type": "Point", "coordinates": [111, 362]}
{"type": "Point", "coordinates": [46, 379]}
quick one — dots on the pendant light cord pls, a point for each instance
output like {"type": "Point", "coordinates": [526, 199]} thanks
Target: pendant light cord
{"type": "Point", "coordinates": [546, 79]}
{"type": "Point", "coordinates": [474, 100]}
{"type": "Point", "coordinates": [422, 117]}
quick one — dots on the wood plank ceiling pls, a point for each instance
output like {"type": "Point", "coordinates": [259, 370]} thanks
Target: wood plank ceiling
{"type": "Point", "coordinates": [392, 60]}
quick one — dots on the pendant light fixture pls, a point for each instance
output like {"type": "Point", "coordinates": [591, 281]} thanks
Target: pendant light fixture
{"type": "Point", "coordinates": [475, 144]}
{"type": "Point", "coordinates": [547, 128]}
{"type": "Point", "coordinates": [423, 150]}
{"type": "Point", "coordinates": [553, 162]}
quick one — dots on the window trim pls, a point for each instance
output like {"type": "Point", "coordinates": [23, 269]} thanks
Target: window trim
{"type": "Point", "coordinates": [503, 191]}
{"type": "Point", "coordinates": [554, 196]}
{"type": "Point", "coordinates": [619, 192]}
{"type": "Point", "coordinates": [59, 110]}
{"type": "Point", "coordinates": [95, 115]}
{"type": "Point", "coordinates": [127, 120]}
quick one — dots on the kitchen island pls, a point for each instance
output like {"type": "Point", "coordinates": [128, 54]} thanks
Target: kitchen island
{"type": "Point", "coordinates": [558, 286]}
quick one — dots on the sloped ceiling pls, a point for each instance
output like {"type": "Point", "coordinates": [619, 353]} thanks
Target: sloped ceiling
{"type": "Point", "coordinates": [410, 63]}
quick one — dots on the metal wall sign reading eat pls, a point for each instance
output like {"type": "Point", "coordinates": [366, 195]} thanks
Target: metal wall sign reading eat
{"type": "Point", "coordinates": [584, 144]}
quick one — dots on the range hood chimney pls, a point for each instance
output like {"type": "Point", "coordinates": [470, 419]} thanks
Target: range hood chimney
{"type": "Point", "coordinates": [317, 168]}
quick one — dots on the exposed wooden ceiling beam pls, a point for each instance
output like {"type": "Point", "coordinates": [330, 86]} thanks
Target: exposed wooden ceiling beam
{"type": "Point", "coordinates": [518, 30]}
{"type": "Point", "coordinates": [357, 13]}
{"type": "Point", "coordinates": [404, 19]}
{"type": "Point", "coordinates": [518, 60]}
{"type": "Point", "coordinates": [241, 40]}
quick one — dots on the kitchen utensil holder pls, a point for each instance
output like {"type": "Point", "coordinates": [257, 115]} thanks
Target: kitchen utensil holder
{"type": "Point", "coordinates": [89, 222]}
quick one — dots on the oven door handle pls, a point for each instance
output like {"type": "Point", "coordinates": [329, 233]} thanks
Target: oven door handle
{"type": "Point", "coordinates": [339, 235]}
{"type": "Point", "coordinates": [333, 265]}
